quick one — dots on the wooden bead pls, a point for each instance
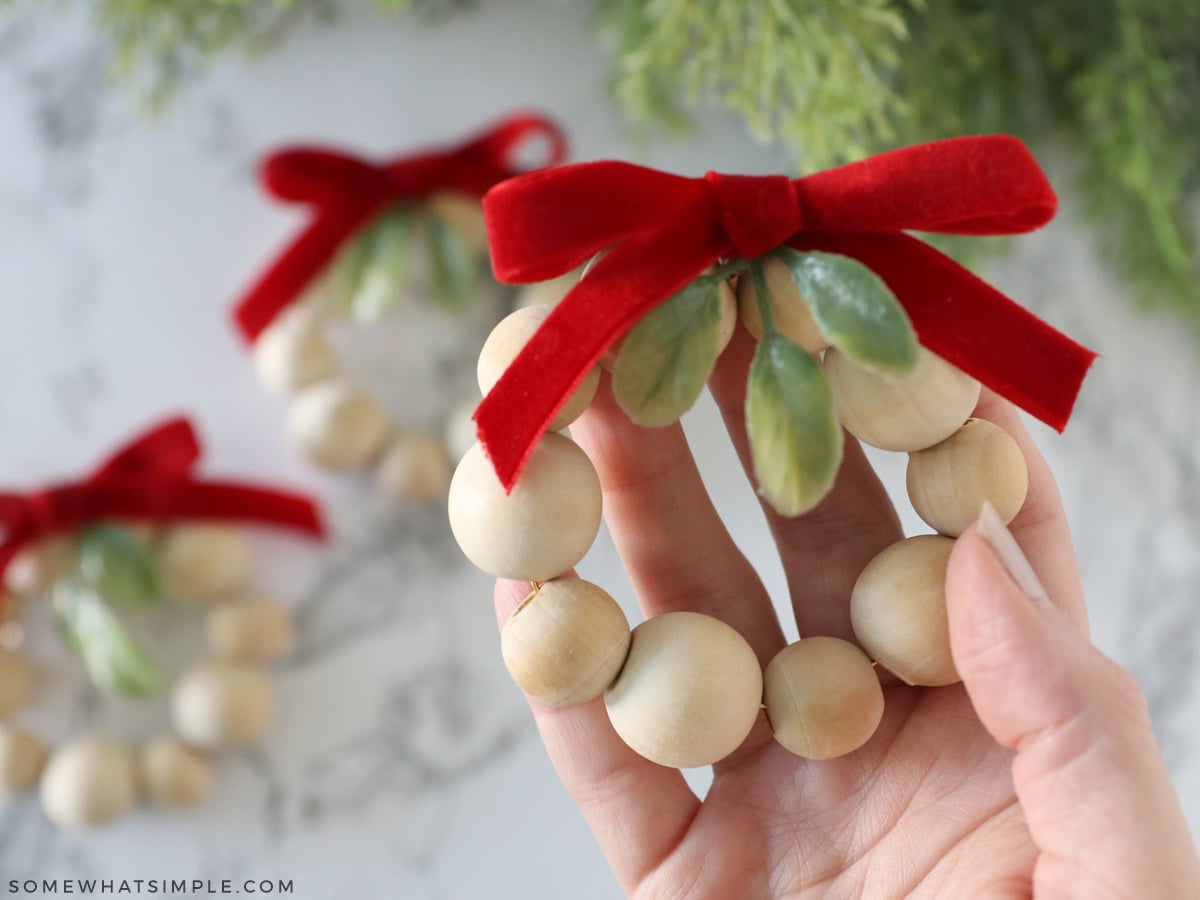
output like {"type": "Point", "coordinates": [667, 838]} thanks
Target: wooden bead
{"type": "Point", "coordinates": [12, 627]}
{"type": "Point", "coordinates": [15, 683]}
{"type": "Point", "coordinates": [174, 775]}
{"type": "Point", "coordinates": [89, 782]}
{"type": "Point", "coordinates": [464, 214]}
{"type": "Point", "coordinates": [221, 705]}
{"type": "Point", "coordinates": [906, 412]}
{"type": "Point", "coordinates": [547, 293]}
{"type": "Point", "coordinates": [251, 629]}
{"type": "Point", "coordinates": [823, 697]}
{"type": "Point", "coordinates": [793, 318]}
{"type": "Point", "coordinates": [31, 572]}
{"type": "Point", "coordinates": [292, 353]}
{"type": "Point", "coordinates": [22, 758]}
{"type": "Point", "coordinates": [566, 642]}
{"type": "Point", "coordinates": [689, 692]}
{"type": "Point", "coordinates": [337, 426]}
{"type": "Point", "coordinates": [505, 342]}
{"type": "Point", "coordinates": [898, 610]}
{"type": "Point", "coordinates": [203, 563]}
{"type": "Point", "coordinates": [414, 467]}
{"type": "Point", "coordinates": [949, 482]}
{"type": "Point", "coordinates": [540, 530]}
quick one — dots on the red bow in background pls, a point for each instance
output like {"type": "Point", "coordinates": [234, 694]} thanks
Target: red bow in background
{"type": "Point", "coordinates": [347, 192]}
{"type": "Point", "coordinates": [149, 479]}
{"type": "Point", "coordinates": [664, 230]}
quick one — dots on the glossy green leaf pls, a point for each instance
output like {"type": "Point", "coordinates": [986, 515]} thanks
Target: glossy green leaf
{"type": "Point", "coordinates": [113, 659]}
{"type": "Point", "coordinates": [453, 270]}
{"type": "Point", "coordinates": [116, 564]}
{"type": "Point", "coordinates": [346, 271]}
{"type": "Point", "coordinates": [795, 438]}
{"type": "Point", "coordinates": [384, 275]}
{"type": "Point", "coordinates": [666, 358]}
{"type": "Point", "coordinates": [854, 309]}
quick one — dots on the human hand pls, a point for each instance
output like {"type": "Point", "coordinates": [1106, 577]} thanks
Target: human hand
{"type": "Point", "coordinates": [1038, 774]}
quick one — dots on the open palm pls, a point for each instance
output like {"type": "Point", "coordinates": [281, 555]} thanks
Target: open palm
{"type": "Point", "coordinates": [929, 806]}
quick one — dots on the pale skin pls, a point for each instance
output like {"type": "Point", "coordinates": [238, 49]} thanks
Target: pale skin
{"type": "Point", "coordinates": [1039, 775]}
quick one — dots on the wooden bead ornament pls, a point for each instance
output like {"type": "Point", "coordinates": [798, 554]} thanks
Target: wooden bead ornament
{"type": "Point", "coordinates": [202, 564]}
{"type": "Point", "coordinates": [89, 782]}
{"type": "Point", "coordinates": [221, 705]}
{"type": "Point", "coordinates": [175, 776]}
{"type": "Point", "coordinates": [22, 758]}
{"type": "Point", "coordinates": [836, 293]}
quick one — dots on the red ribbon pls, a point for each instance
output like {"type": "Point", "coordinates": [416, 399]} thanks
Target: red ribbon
{"type": "Point", "coordinates": [149, 479]}
{"type": "Point", "coordinates": [664, 230]}
{"type": "Point", "coordinates": [347, 192]}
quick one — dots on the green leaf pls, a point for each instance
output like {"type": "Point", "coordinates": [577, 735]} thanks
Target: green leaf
{"type": "Point", "coordinates": [854, 309]}
{"type": "Point", "coordinates": [795, 438]}
{"type": "Point", "coordinates": [452, 268]}
{"type": "Point", "coordinates": [666, 358]}
{"type": "Point", "coordinates": [384, 273]}
{"type": "Point", "coordinates": [116, 565]}
{"type": "Point", "coordinates": [346, 271]}
{"type": "Point", "coordinates": [113, 659]}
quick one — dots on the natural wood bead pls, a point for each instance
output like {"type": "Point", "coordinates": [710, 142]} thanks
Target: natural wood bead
{"type": "Point", "coordinates": [203, 563]}
{"type": "Point", "coordinates": [12, 628]}
{"type": "Point", "coordinates": [898, 610]}
{"type": "Point", "coordinates": [793, 318]}
{"type": "Point", "coordinates": [251, 629]}
{"type": "Point", "coordinates": [174, 775]}
{"type": "Point", "coordinates": [89, 782]}
{"type": "Point", "coordinates": [540, 530]}
{"type": "Point", "coordinates": [506, 341]}
{"type": "Point", "coordinates": [901, 412]}
{"type": "Point", "coordinates": [949, 482]}
{"type": "Point", "coordinates": [566, 642]}
{"type": "Point", "coordinates": [414, 467]}
{"type": "Point", "coordinates": [220, 705]}
{"type": "Point", "coordinates": [15, 683]}
{"type": "Point", "coordinates": [292, 353]}
{"type": "Point", "coordinates": [460, 432]}
{"type": "Point", "coordinates": [823, 697]}
{"type": "Point", "coordinates": [547, 293]}
{"type": "Point", "coordinates": [31, 572]}
{"type": "Point", "coordinates": [689, 692]}
{"type": "Point", "coordinates": [22, 758]}
{"type": "Point", "coordinates": [337, 426]}
{"type": "Point", "coordinates": [464, 214]}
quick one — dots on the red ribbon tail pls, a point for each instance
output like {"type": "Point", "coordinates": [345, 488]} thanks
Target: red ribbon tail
{"type": "Point", "coordinates": [965, 320]}
{"type": "Point", "coordinates": [169, 448]}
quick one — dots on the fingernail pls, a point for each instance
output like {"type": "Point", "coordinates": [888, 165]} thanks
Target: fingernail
{"type": "Point", "coordinates": [993, 530]}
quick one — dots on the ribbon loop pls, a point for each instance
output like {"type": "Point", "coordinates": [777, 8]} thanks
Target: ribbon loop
{"type": "Point", "coordinates": [757, 212]}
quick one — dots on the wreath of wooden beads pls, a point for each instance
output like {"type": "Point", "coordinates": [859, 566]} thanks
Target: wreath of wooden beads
{"type": "Point", "coordinates": [837, 350]}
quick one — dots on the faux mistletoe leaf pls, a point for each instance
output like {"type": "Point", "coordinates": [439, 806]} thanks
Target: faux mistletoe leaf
{"type": "Point", "coordinates": [666, 358]}
{"type": "Point", "coordinates": [346, 271]}
{"type": "Point", "coordinates": [854, 309]}
{"type": "Point", "coordinates": [795, 438]}
{"type": "Point", "coordinates": [384, 273]}
{"type": "Point", "coordinates": [453, 270]}
{"type": "Point", "coordinates": [113, 659]}
{"type": "Point", "coordinates": [116, 565]}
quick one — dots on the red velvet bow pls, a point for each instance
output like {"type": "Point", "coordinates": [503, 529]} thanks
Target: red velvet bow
{"type": "Point", "coordinates": [149, 479]}
{"type": "Point", "coordinates": [346, 193]}
{"type": "Point", "coordinates": [664, 230]}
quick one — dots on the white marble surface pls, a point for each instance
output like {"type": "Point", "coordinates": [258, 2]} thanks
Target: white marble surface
{"type": "Point", "coordinates": [404, 764]}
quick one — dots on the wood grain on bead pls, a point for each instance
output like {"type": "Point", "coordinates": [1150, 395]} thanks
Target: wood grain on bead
{"type": "Point", "coordinates": [901, 412]}
{"type": "Point", "coordinates": [203, 563]}
{"type": "Point", "coordinates": [506, 341]}
{"type": "Point", "coordinates": [793, 318]}
{"type": "Point", "coordinates": [414, 467]}
{"type": "Point", "coordinates": [174, 775]}
{"type": "Point", "coordinates": [292, 353]}
{"type": "Point", "coordinates": [15, 683]}
{"type": "Point", "coordinates": [823, 697]}
{"type": "Point", "coordinates": [221, 705]}
{"type": "Point", "coordinates": [898, 610]}
{"type": "Point", "coordinates": [540, 530]}
{"type": "Point", "coordinates": [566, 642]}
{"type": "Point", "coordinates": [89, 782]}
{"type": "Point", "coordinates": [251, 629]}
{"type": "Point", "coordinates": [949, 482]}
{"type": "Point", "coordinates": [689, 692]}
{"type": "Point", "coordinates": [22, 758]}
{"type": "Point", "coordinates": [337, 426]}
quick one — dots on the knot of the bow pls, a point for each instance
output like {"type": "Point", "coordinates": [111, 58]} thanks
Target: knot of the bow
{"type": "Point", "coordinates": [757, 212]}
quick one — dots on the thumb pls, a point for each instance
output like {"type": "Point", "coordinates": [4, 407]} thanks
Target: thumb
{"type": "Point", "coordinates": [1095, 792]}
